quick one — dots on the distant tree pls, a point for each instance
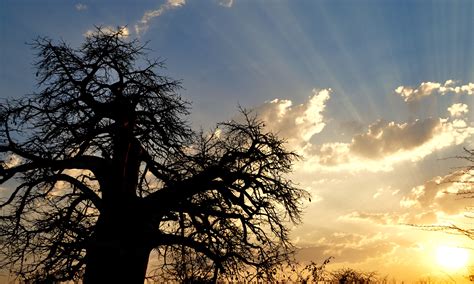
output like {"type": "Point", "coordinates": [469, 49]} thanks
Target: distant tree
{"type": "Point", "coordinates": [349, 276]}
{"type": "Point", "coordinates": [102, 168]}
{"type": "Point", "coordinates": [309, 273]}
{"type": "Point", "coordinates": [312, 272]}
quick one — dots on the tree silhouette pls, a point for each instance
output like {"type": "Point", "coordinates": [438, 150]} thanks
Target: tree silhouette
{"type": "Point", "coordinates": [349, 275]}
{"type": "Point", "coordinates": [102, 168]}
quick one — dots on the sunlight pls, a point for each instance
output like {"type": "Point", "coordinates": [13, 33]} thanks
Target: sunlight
{"type": "Point", "coordinates": [452, 257]}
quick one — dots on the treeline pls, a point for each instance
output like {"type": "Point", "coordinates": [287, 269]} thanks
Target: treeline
{"type": "Point", "coordinates": [294, 272]}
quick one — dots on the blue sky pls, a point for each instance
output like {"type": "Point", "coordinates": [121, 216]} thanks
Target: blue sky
{"type": "Point", "coordinates": [372, 154]}
{"type": "Point", "coordinates": [257, 50]}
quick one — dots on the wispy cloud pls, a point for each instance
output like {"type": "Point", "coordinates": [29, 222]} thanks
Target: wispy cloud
{"type": "Point", "coordinates": [425, 89]}
{"type": "Point", "coordinates": [226, 3]}
{"type": "Point", "coordinates": [80, 7]}
{"type": "Point", "coordinates": [143, 24]}
{"type": "Point", "coordinates": [392, 218]}
{"type": "Point", "coordinates": [384, 191]}
{"type": "Point", "coordinates": [346, 247]}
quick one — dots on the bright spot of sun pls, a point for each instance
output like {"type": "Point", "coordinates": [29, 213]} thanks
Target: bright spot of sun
{"type": "Point", "coordinates": [452, 257]}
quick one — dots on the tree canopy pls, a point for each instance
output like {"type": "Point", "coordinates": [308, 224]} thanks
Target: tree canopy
{"type": "Point", "coordinates": [101, 168]}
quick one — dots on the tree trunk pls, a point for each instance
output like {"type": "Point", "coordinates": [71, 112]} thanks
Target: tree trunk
{"type": "Point", "coordinates": [120, 250]}
{"type": "Point", "coordinates": [116, 263]}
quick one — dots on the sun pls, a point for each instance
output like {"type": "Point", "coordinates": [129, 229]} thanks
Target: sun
{"type": "Point", "coordinates": [452, 257]}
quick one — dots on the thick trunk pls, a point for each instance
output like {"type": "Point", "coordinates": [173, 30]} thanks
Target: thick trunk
{"type": "Point", "coordinates": [116, 263]}
{"type": "Point", "coordinates": [119, 250]}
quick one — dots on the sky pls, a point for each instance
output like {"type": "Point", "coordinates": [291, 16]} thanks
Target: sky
{"type": "Point", "coordinates": [376, 96]}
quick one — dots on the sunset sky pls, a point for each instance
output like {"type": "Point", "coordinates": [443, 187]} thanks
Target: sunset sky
{"type": "Point", "coordinates": [376, 96]}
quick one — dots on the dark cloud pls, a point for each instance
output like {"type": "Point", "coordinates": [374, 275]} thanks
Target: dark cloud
{"type": "Point", "coordinates": [385, 138]}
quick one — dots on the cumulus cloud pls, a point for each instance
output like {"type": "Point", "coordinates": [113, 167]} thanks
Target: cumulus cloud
{"type": "Point", "coordinates": [143, 24]}
{"type": "Point", "coordinates": [80, 7]}
{"type": "Point", "coordinates": [297, 123]}
{"type": "Point", "coordinates": [124, 31]}
{"type": "Point", "coordinates": [379, 148]}
{"type": "Point", "coordinates": [386, 144]}
{"type": "Point", "coordinates": [425, 89]}
{"type": "Point", "coordinates": [457, 110]}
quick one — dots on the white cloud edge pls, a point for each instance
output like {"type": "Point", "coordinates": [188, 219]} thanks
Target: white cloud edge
{"type": "Point", "coordinates": [296, 123]}
{"type": "Point", "coordinates": [410, 94]}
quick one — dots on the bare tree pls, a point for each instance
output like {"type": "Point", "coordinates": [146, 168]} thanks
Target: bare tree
{"type": "Point", "coordinates": [102, 168]}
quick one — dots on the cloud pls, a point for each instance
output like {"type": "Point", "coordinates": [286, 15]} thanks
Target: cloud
{"type": "Point", "coordinates": [10, 161]}
{"type": "Point", "coordinates": [124, 31]}
{"type": "Point", "coordinates": [386, 144]}
{"type": "Point", "coordinates": [377, 218]}
{"type": "Point", "coordinates": [226, 3]}
{"type": "Point", "coordinates": [80, 7]}
{"type": "Point", "coordinates": [392, 218]}
{"type": "Point", "coordinates": [297, 123]}
{"type": "Point", "coordinates": [457, 110]}
{"type": "Point", "coordinates": [85, 176]}
{"type": "Point", "coordinates": [410, 94]}
{"type": "Point", "coordinates": [143, 24]}
{"type": "Point", "coordinates": [346, 247]}
{"type": "Point", "coordinates": [379, 148]}
{"type": "Point", "coordinates": [385, 138]}
{"type": "Point", "coordinates": [443, 194]}
{"type": "Point", "coordinates": [385, 190]}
